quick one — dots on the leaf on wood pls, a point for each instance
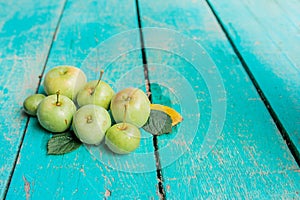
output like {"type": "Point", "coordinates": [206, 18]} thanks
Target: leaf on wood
{"type": "Point", "coordinates": [158, 123]}
{"type": "Point", "coordinates": [62, 143]}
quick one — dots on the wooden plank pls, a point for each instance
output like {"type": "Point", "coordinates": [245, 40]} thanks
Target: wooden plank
{"type": "Point", "coordinates": [25, 38]}
{"type": "Point", "coordinates": [80, 175]}
{"type": "Point", "coordinates": [249, 158]}
{"type": "Point", "coordinates": [266, 33]}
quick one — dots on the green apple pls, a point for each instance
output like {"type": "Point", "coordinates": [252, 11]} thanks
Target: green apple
{"type": "Point", "coordinates": [90, 122]}
{"type": "Point", "coordinates": [95, 92]}
{"type": "Point", "coordinates": [68, 79]}
{"type": "Point", "coordinates": [130, 105]}
{"type": "Point", "coordinates": [55, 113]}
{"type": "Point", "coordinates": [31, 103]}
{"type": "Point", "coordinates": [123, 138]}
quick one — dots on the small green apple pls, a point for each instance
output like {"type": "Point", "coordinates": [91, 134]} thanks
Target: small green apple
{"type": "Point", "coordinates": [123, 138]}
{"type": "Point", "coordinates": [68, 79]}
{"type": "Point", "coordinates": [90, 122]}
{"type": "Point", "coordinates": [130, 105]}
{"type": "Point", "coordinates": [55, 113]}
{"type": "Point", "coordinates": [94, 92]}
{"type": "Point", "coordinates": [31, 103]}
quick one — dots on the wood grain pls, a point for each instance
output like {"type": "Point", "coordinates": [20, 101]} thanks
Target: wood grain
{"type": "Point", "coordinates": [84, 27]}
{"type": "Point", "coordinates": [25, 39]}
{"type": "Point", "coordinates": [250, 159]}
{"type": "Point", "coordinates": [227, 147]}
{"type": "Point", "coordinates": [266, 33]}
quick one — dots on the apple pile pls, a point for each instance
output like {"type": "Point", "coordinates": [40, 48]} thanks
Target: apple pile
{"type": "Point", "coordinates": [88, 108]}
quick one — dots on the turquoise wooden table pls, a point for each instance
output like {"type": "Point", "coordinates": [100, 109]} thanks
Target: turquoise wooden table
{"type": "Point", "coordinates": [231, 68]}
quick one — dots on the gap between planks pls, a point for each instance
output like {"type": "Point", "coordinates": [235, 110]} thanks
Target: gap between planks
{"type": "Point", "coordinates": [266, 102]}
{"type": "Point", "coordinates": [161, 190]}
{"type": "Point", "coordinates": [36, 91]}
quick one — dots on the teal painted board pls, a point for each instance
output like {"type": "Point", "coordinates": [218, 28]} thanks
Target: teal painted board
{"type": "Point", "coordinates": [245, 156]}
{"type": "Point", "coordinates": [266, 33]}
{"type": "Point", "coordinates": [25, 38]}
{"type": "Point", "coordinates": [90, 36]}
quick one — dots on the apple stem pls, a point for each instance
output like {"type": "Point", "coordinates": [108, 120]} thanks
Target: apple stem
{"type": "Point", "coordinates": [99, 80]}
{"type": "Point", "coordinates": [124, 117]}
{"type": "Point", "coordinates": [58, 103]}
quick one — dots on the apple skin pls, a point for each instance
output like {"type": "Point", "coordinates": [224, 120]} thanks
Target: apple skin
{"type": "Point", "coordinates": [32, 102]}
{"type": "Point", "coordinates": [56, 118]}
{"type": "Point", "coordinates": [90, 122]}
{"type": "Point", "coordinates": [137, 103]}
{"type": "Point", "coordinates": [123, 138]}
{"type": "Point", "coordinates": [67, 79]}
{"type": "Point", "coordinates": [100, 96]}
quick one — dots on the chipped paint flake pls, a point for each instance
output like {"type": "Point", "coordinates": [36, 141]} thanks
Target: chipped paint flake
{"type": "Point", "coordinates": [26, 187]}
{"type": "Point", "coordinates": [107, 193]}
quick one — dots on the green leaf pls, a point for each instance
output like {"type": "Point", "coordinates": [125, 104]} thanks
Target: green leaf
{"type": "Point", "coordinates": [158, 123]}
{"type": "Point", "coordinates": [62, 143]}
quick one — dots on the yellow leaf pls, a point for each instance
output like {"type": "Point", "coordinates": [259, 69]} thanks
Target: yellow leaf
{"type": "Point", "coordinates": [175, 116]}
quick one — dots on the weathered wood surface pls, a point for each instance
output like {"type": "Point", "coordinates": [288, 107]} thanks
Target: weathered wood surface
{"type": "Point", "coordinates": [228, 145]}
{"type": "Point", "coordinates": [266, 33]}
{"type": "Point", "coordinates": [250, 158]}
{"type": "Point", "coordinates": [78, 175]}
{"type": "Point", "coordinates": [26, 34]}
